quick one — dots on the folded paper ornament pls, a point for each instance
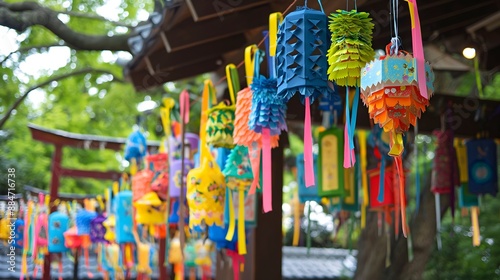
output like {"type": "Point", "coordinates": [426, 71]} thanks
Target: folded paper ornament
{"type": "Point", "coordinates": [351, 46]}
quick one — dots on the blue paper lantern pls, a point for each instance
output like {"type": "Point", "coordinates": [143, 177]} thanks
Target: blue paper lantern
{"type": "Point", "coordinates": [122, 207]}
{"type": "Point", "coordinates": [82, 220]}
{"type": "Point", "coordinates": [19, 237]}
{"type": "Point", "coordinates": [135, 146]}
{"type": "Point", "coordinates": [58, 224]}
{"type": "Point", "coordinates": [301, 54]}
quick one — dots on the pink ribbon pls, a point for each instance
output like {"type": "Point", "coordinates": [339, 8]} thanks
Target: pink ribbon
{"type": "Point", "coordinates": [349, 157]}
{"type": "Point", "coordinates": [308, 154]}
{"type": "Point", "coordinates": [254, 152]}
{"type": "Point", "coordinates": [418, 50]}
{"type": "Point", "coordinates": [267, 172]}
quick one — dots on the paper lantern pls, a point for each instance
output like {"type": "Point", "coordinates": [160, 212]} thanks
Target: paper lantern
{"type": "Point", "coordinates": [143, 258]}
{"type": "Point", "coordinates": [19, 237]}
{"type": "Point", "coordinates": [141, 183]}
{"type": "Point", "coordinates": [390, 90]}
{"type": "Point", "coordinates": [58, 224]}
{"type": "Point", "coordinates": [122, 207]}
{"type": "Point", "coordinates": [465, 197]}
{"type": "Point", "coordinates": [482, 166]}
{"type": "Point", "coordinates": [311, 193]}
{"type": "Point", "coordinates": [330, 170]}
{"type": "Point", "coordinates": [388, 186]}
{"type": "Point", "coordinates": [351, 46]}
{"type": "Point", "coordinates": [110, 225]}
{"type": "Point", "coordinates": [175, 176]}
{"type": "Point", "coordinates": [302, 66]}
{"type": "Point", "coordinates": [150, 210]}
{"type": "Point", "coordinates": [159, 161]}
{"type": "Point", "coordinates": [83, 219]}
{"type": "Point", "coordinates": [242, 133]}
{"type": "Point", "coordinates": [72, 239]}
{"type": "Point", "coordinates": [136, 146]}
{"type": "Point", "coordinates": [97, 229]}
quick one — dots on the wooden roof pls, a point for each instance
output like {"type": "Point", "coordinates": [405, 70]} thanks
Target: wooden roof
{"type": "Point", "coordinates": [192, 37]}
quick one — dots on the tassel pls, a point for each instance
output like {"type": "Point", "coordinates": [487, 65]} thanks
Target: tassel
{"type": "Point", "coordinates": [308, 154]}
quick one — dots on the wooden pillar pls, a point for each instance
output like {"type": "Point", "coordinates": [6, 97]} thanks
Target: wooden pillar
{"type": "Point", "coordinates": [268, 234]}
{"type": "Point", "coordinates": [54, 189]}
{"type": "Point", "coordinates": [161, 259]}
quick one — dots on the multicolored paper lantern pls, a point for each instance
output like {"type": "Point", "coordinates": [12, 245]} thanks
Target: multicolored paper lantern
{"type": "Point", "coordinates": [97, 229]}
{"type": "Point", "coordinates": [150, 210]}
{"type": "Point", "coordinates": [58, 224]}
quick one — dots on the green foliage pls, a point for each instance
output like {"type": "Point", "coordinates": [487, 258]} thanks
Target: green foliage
{"type": "Point", "coordinates": [458, 259]}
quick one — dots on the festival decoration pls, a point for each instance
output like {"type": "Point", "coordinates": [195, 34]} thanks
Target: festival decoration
{"type": "Point", "coordinates": [301, 67]}
{"type": "Point", "coordinates": [141, 183]}
{"type": "Point", "coordinates": [242, 133]}
{"type": "Point", "coordinates": [150, 210]}
{"type": "Point", "coordinates": [267, 118]}
{"type": "Point", "coordinates": [482, 164]}
{"type": "Point", "coordinates": [330, 171]}
{"type": "Point", "coordinates": [58, 224]}
{"type": "Point", "coordinates": [205, 184]}
{"type": "Point", "coordinates": [311, 193]}
{"type": "Point", "coordinates": [136, 146]}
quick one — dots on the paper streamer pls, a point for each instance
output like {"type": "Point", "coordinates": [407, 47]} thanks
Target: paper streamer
{"type": "Point", "coordinates": [274, 20]}
{"type": "Point", "coordinates": [242, 245]}
{"type": "Point", "coordinates": [267, 172]}
{"type": "Point", "coordinates": [476, 241]}
{"type": "Point", "coordinates": [254, 152]}
{"type": "Point", "coordinates": [296, 218]}
{"type": "Point", "coordinates": [237, 260]}
{"type": "Point", "coordinates": [418, 47]}
{"type": "Point", "coordinates": [231, 228]}
{"type": "Point", "coordinates": [308, 153]}
{"type": "Point", "coordinates": [381, 183]}
{"type": "Point", "coordinates": [402, 194]}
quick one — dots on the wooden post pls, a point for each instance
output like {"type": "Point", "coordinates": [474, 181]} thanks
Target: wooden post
{"type": "Point", "coordinates": [268, 234]}
{"type": "Point", "coordinates": [54, 188]}
{"type": "Point", "coordinates": [161, 259]}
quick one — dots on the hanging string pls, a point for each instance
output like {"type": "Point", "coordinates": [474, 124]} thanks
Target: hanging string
{"type": "Point", "coordinates": [395, 43]}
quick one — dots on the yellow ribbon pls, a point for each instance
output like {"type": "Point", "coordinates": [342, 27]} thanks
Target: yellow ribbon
{"type": "Point", "coordinates": [274, 21]}
{"type": "Point", "coordinates": [133, 167]}
{"type": "Point", "coordinates": [296, 218]}
{"type": "Point", "coordinates": [116, 186]}
{"type": "Point", "coordinates": [249, 62]}
{"type": "Point", "coordinates": [233, 81]}
{"type": "Point", "coordinates": [364, 179]}
{"type": "Point", "coordinates": [208, 91]}
{"type": "Point", "coordinates": [412, 13]}
{"type": "Point", "coordinates": [462, 160]}
{"type": "Point", "coordinates": [475, 226]}
{"type": "Point", "coordinates": [101, 203]}
{"type": "Point", "coordinates": [242, 244]}
{"type": "Point", "coordinates": [231, 228]}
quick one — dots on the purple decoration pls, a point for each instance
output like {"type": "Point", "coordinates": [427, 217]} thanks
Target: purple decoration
{"type": "Point", "coordinates": [175, 176]}
{"type": "Point", "coordinates": [97, 229]}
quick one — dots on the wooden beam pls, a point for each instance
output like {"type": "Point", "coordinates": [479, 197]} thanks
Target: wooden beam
{"type": "Point", "coordinates": [162, 61]}
{"type": "Point", "coordinates": [188, 33]}
{"type": "Point", "coordinates": [203, 10]}
{"type": "Point", "coordinates": [108, 175]}
{"type": "Point", "coordinates": [143, 81]}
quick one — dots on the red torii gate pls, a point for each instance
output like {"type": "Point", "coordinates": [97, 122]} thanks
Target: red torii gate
{"type": "Point", "coordinates": [61, 139]}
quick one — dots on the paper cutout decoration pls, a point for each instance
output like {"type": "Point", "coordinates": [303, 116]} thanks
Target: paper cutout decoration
{"type": "Point", "coordinates": [175, 176]}
{"type": "Point", "coordinates": [159, 161]}
{"type": "Point", "coordinates": [350, 198]}
{"type": "Point", "coordinates": [72, 239]}
{"type": "Point", "coordinates": [465, 197]}
{"type": "Point", "coordinates": [58, 224]}
{"type": "Point", "coordinates": [110, 225]}
{"type": "Point", "coordinates": [267, 118]}
{"type": "Point", "coordinates": [389, 88]}
{"type": "Point", "coordinates": [122, 207]}
{"type": "Point", "coordinates": [82, 221]}
{"type": "Point", "coordinates": [160, 185]}
{"type": "Point", "coordinates": [351, 46]}
{"type": "Point", "coordinates": [150, 210]}
{"type": "Point", "coordinates": [97, 229]}
{"type": "Point", "coordinates": [220, 124]}
{"type": "Point", "coordinates": [302, 66]}
{"type": "Point", "coordinates": [136, 146]}
{"type": "Point", "coordinates": [388, 185]}
{"type": "Point", "coordinates": [19, 237]}
{"type": "Point", "coordinates": [242, 133]}
{"type": "Point", "coordinates": [205, 184]}
{"type": "Point", "coordinates": [141, 183]}
{"type": "Point", "coordinates": [239, 177]}
{"type": "Point", "coordinates": [311, 193]}
{"type": "Point", "coordinates": [330, 170]}
{"type": "Point", "coordinates": [482, 166]}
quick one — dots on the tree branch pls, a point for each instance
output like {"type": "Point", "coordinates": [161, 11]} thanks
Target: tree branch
{"type": "Point", "coordinates": [48, 82]}
{"type": "Point", "coordinates": [20, 16]}
{"type": "Point", "coordinates": [25, 49]}
{"type": "Point", "coordinates": [96, 17]}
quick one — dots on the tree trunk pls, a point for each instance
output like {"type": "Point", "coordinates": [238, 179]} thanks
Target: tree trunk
{"type": "Point", "coordinates": [372, 247]}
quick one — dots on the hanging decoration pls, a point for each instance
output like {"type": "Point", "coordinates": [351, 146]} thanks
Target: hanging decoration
{"type": "Point", "coordinates": [301, 67]}
{"type": "Point", "coordinates": [330, 173]}
{"type": "Point", "coordinates": [242, 133]}
{"type": "Point", "coordinates": [267, 118]}
{"type": "Point", "coordinates": [482, 164]}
